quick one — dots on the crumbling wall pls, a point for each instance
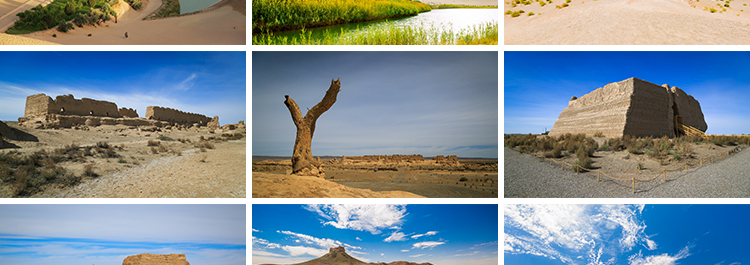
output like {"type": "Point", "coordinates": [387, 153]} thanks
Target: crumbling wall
{"type": "Point", "coordinates": [41, 104]}
{"type": "Point", "coordinates": [127, 113]}
{"type": "Point", "coordinates": [385, 158]}
{"type": "Point", "coordinates": [629, 107]}
{"type": "Point", "coordinates": [173, 115]}
{"type": "Point", "coordinates": [156, 259]}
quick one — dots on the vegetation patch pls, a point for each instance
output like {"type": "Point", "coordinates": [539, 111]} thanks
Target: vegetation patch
{"type": "Point", "coordinates": [278, 15]}
{"type": "Point", "coordinates": [59, 13]}
{"type": "Point", "coordinates": [170, 8]}
{"type": "Point", "coordinates": [486, 33]}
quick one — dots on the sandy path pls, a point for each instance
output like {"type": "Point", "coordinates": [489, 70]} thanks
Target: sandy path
{"type": "Point", "coordinates": [221, 175]}
{"type": "Point", "coordinates": [222, 26]}
{"type": "Point", "coordinates": [610, 22]}
{"type": "Point", "coordinates": [9, 9]}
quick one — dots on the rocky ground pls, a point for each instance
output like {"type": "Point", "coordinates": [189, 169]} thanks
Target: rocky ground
{"type": "Point", "coordinates": [167, 168]}
{"type": "Point", "coordinates": [529, 176]}
{"type": "Point", "coordinates": [473, 179]}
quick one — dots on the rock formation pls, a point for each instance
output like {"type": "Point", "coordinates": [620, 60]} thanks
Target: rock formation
{"type": "Point", "coordinates": [213, 124]}
{"type": "Point", "coordinates": [451, 160]}
{"type": "Point", "coordinates": [6, 132]}
{"type": "Point", "coordinates": [338, 256]}
{"type": "Point", "coordinates": [388, 159]}
{"type": "Point", "coordinates": [630, 107]}
{"type": "Point", "coordinates": [303, 163]}
{"type": "Point", "coordinates": [155, 259]}
{"type": "Point", "coordinates": [65, 111]}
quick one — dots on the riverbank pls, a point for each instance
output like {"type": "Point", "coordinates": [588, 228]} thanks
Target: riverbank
{"type": "Point", "coordinates": [223, 26]}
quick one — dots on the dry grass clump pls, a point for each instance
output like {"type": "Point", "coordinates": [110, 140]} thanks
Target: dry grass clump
{"type": "Point", "coordinates": [235, 136]}
{"type": "Point", "coordinates": [28, 174]}
{"type": "Point", "coordinates": [551, 147]}
{"type": "Point", "coordinates": [183, 140]}
{"type": "Point", "coordinates": [153, 143]}
{"type": "Point", "coordinates": [205, 144]}
{"type": "Point", "coordinates": [88, 170]}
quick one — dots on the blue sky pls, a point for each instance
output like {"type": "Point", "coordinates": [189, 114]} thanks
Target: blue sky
{"type": "Point", "coordinates": [626, 234]}
{"type": "Point", "coordinates": [538, 85]}
{"type": "Point", "coordinates": [440, 234]}
{"type": "Point", "coordinates": [74, 234]}
{"type": "Point", "coordinates": [208, 83]}
{"type": "Point", "coordinates": [429, 103]}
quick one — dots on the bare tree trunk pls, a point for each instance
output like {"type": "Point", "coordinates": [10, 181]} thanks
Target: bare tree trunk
{"type": "Point", "coordinates": [302, 160]}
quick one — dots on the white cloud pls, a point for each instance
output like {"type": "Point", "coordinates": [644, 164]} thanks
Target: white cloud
{"type": "Point", "coordinates": [595, 233]}
{"type": "Point", "coordinates": [430, 233]}
{"type": "Point", "coordinates": [427, 244]}
{"type": "Point", "coordinates": [467, 254]}
{"type": "Point", "coordinates": [254, 230]}
{"type": "Point", "coordinates": [264, 243]}
{"type": "Point", "coordinates": [396, 236]}
{"type": "Point", "coordinates": [187, 83]}
{"type": "Point", "coordinates": [302, 250]}
{"type": "Point", "coordinates": [663, 259]}
{"type": "Point", "coordinates": [358, 239]}
{"type": "Point", "coordinates": [371, 217]}
{"type": "Point", "coordinates": [323, 242]}
{"type": "Point", "coordinates": [416, 256]}
{"type": "Point", "coordinates": [266, 254]}
{"type": "Point", "coordinates": [405, 250]}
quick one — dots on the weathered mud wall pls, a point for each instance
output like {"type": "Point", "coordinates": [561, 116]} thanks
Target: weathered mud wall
{"type": "Point", "coordinates": [154, 259]}
{"type": "Point", "coordinates": [41, 104]}
{"type": "Point", "coordinates": [173, 115]}
{"type": "Point", "coordinates": [128, 113]}
{"type": "Point", "coordinates": [629, 107]}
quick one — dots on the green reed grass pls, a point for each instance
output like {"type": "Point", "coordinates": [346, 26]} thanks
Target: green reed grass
{"type": "Point", "coordinates": [279, 15]}
{"type": "Point", "coordinates": [486, 33]}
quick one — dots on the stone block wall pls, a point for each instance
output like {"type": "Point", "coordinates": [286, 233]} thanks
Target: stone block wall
{"type": "Point", "coordinates": [177, 116]}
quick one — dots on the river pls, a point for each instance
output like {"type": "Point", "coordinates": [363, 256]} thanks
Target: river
{"type": "Point", "coordinates": [187, 6]}
{"type": "Point", "coordinates": [455, 19]}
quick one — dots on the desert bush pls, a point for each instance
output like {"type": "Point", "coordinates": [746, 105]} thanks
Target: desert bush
{"type": "Point", "coordinates": [599, 134]}
{"type": "Point", "coordinates": [88, 170]}
{"type": "Point", "coordinates": [162, 148]}
{"type": "Point", "coordinates": [463, 179]}
{"type": "Point", "coordinates": [154, 150]}
{"type": "Point", "coordinates": [153, 143]}
{"type": "Point", "coordinates": [121, 161]}
{"type": "Point", "coordinates": [65, 26]}
{"type": "Point", "coordinates": [103, 145]}
{"type": "Point", "coordinates": [164, 138]}
{"type": "Point", "coordinates": [555, 153]}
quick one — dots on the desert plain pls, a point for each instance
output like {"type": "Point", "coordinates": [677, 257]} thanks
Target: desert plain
{"type": "Point", "coordinates": [626, 22]}
{"type": "Point", "coordinates": [469, 178]}
{"type": "Point", "coordinates": [145, 162]}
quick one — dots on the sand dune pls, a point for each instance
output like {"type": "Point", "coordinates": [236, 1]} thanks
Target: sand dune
{"type": "Point", "coordinates": [627, 22]}
{"type": "Point", "coordinates": [224, 25]}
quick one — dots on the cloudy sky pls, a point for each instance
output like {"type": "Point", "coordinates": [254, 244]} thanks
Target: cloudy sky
{"type": "Point", "coordinates": [74, 234]}
{"type": "Point", "coordinates": [429, 103]}
{"type": "Point", "coordinates": [538, 85]}
{"type": "Point", "coordinates": [440, 234]}
{"type": "Point", "coordinates": [208, 83]}
{"type": "Point", "coordinates": [626, 234]}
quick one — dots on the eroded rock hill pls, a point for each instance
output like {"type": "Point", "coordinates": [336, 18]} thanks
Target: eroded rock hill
{"type": "Point", "coordinates": [156, 259]}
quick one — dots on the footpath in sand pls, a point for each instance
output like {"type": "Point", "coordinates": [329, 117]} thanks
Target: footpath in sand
{"type": "Point", "coordinates": [224, 24]}
{"type": "Point", "coordinates": [217, 173]}
{"type": "Point", "coordinates": [628, 22]}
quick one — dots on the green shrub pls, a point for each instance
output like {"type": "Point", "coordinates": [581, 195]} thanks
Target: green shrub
{"type": "Point", "coordinates": [70, 8]}
{"type": "Point", "coordinates": [64, 26]}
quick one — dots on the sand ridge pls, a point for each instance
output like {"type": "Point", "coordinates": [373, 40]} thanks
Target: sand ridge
{"type": "Point", "coordinates": [223, 26]}
{"type": "Point", "coordinates": [609, 22]}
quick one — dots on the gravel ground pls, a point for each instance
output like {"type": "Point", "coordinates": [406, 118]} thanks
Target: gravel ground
{"type": "Point", "coordinates": [526, 176]}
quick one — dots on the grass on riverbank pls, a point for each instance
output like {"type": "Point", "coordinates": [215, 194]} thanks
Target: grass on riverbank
{"type": "Point", "coordinates": [170, 8]}
{"type": "Point", "coordinates": [45, 17]}
{"type": "Point", "coordinates": [391, 35]}
{"type": "Point", "coordinates": [280, 15]}
{"type": "Point", "coordinates": [460, 6]}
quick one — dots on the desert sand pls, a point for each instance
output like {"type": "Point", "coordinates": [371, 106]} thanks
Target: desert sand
{"type": "Point", "coordinates": [613, 22]}
{"type": "Point", "coordinates": [378, 180]}
{"type": "Point", "coordinates": [175, 170]}
{"type": "Point", "coordinates": [220, 26]}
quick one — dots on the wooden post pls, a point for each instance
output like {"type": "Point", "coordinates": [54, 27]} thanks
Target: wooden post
{"type": "Point", "coordinates": [701, 162]}
{"type": "Point", "coordinates": [685, 167]}
{"type": "Point", "coordinates": [633, 185]}
{"type": "Point", "coordinates": [712, 159]}
{"type": "Point", "coordinates": [597, 175]}
{"type": "Point", "coordinates": [665, 175]}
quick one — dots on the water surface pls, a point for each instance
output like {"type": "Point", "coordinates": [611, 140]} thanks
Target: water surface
{"type": "Point", "coordinates": [187, 6]}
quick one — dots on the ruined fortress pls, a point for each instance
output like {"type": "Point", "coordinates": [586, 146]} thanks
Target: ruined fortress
{"type": "Point", "coordinates": [66, 111]}
{"type": "Point", "coordinates": [631, 107]}
{"type": "Point", "coordinates": [395, 159]}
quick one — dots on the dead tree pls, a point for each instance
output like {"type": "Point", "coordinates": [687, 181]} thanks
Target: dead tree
{"type": "Point", "coordinates": [302, 160]}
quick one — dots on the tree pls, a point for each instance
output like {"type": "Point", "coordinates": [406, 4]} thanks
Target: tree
{"type": "Point", "coordinates": [92, 3]}
{"type": "Point", "coordinates": [302, 160]}
{"type": "Point", "coordinates": [70, 8]}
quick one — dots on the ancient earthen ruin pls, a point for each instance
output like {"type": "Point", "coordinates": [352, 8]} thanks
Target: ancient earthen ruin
{"type": "Point", "coordinates": [630, 107]}
{"type": "Point", "coordinates": [156, 259]}
{"type": "Point", "coordinates": [303, 163]}
{"type": "Point", "coordinates": [65, 111]}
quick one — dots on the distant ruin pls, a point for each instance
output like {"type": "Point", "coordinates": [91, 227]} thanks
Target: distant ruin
{"type": "Point", "coordinates": [156, 259]}
{"type": "Point", "coordinates": [450, 160]}
{"type": "Point", "coordinates": [65, 111]}
{"type": "Point", "coordinates": [630, 107]}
